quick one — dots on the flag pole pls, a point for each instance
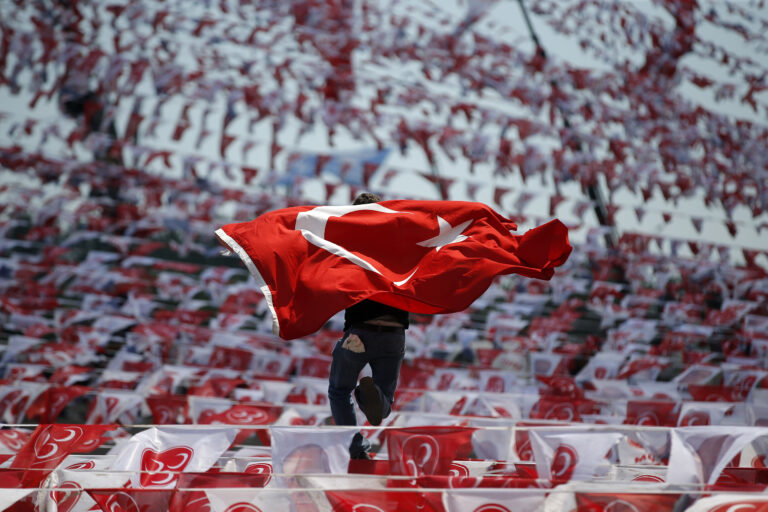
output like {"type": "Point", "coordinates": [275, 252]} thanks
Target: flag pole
{"type": "Point", "coordinates": [593, 190]}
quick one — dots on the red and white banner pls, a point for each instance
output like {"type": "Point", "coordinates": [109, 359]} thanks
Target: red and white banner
{"type": "Point", "coordinates": [157, 456]}
{"type": "Point", "coordinates": [626, 501]}
{"type": "Point", "coordinates": [374, 500]}
{"type": "Point", "coordinates": [50, 444]}
{"type": "Point", "coordinates": [109, 405]}
{"type": "Point", "coordinates": [132, 500]}
{"type": "Point", "coordinates": [568, 455]}
{"type": "Point", "coordinates": [699, 454]}
{"type": "Point", "coordinates": [251, 500]}
{"type": "Point", "coordinates": [489, 500]}
{"type": "Point", "coordinates": [418, 451]}
{"type": "Point", "coordinates": [422, 256]}
{"type": "Point", "coordinates": [10, 496]}
{"type": "Point", "coordinates": [731, 502]}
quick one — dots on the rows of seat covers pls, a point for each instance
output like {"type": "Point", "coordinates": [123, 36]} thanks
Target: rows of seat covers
{"type": "Point", "coordinates": [136, 356]}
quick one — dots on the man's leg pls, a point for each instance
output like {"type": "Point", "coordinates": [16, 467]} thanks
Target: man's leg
{"type": "Point", "coordinates": [346, 365]}
{"type": "Point", "coordinates": [385, 361]}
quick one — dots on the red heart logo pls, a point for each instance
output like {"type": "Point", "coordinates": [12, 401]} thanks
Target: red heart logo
{"type": "Point", "coordinates": [160, 468]}
{"type": "Point", "coordinates": [491, 507]}
{"type": "Point", "coordinates": [242, 507]}
{"type": "Point", "coordinates": [420, 454]}
{"type": "Point", "coordinates": [66, 496]}
{"type": "Point", "coordinates": [695, 418]}
{"type": "Point", "coordinates": [564, 462]}
{"type": "Point", "coordinates": [13, 439]}
{"type": "Point", "coordinates": [88, 464]}
{"type": "Point", "coordinates": [523, 445]}
{"type": "Point", "coordinates": [122, 502]}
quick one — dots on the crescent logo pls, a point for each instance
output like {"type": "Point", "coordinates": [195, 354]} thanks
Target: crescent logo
{"type": "Point", "coordinates": [159, 468]}
{"type": "Point", "coordinates": [457, 469]}
{"type": "Point", "coordinates": [66, 496]}
{"type": "Point", "coordinates": [464, 482]}
{"type": "Point", "coordinates": [88, 464]}
{"type": "Point", "coordinates": [313, 223]}
{"type": "Point", "coordinates": [648, 478]}
{"type": "Point", "coordinates": [246, 417]}
{"type": "Point", "coordinates": [200, 504]}
{"type": "Point", "coordinates": [260, 468]}
{"type": "Point", "coordinates": [11, 439]}
{"type": "Point", "coordinates": [365, 507]}
{"type": "Point", "coordinates": [737, 507]}
{"type": "Point", "coordinates": [620, 506]}
{"type": "Point", "coordinates": [164, 414]}
{"type": "Point", "coordinates": [648, 418]}
{"type": "Point", "coordinates": [523, 446]}
{"type": "Point", "coordinates": [122, 502]}
{"type": "Point", "coordinates": [695, 418]}
{"type": "Point", "coordinates": [420, 455]}
{"type": "Point", "coordinates": [491, 507]}
{"type": "Point", "coordinates": [243, 507]}
{"type": "Point", "coordinates": [562, 412]}
{"type": "Point", "coordinates": [564, 462]}
{"type": "Point", "coordinates": [47, 446]}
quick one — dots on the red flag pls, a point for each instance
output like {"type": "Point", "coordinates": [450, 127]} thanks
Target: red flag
{"type": "Point", "coordinates": [417, 451]}
{"type": "Point", "coordinates": [51, 402]}
{"type": "Point", "coordinates": [386, 501]}
{"type": "Point", "coordinates": [50, 444]}
{"type": "Point", "coordinates": [131, 500]}
{"type": "Point", "coordinates": [168, 409]}
{"type": "Point", "coordinates": [626, 501]}
{"type": "Point", "coordinates": [422, 256]}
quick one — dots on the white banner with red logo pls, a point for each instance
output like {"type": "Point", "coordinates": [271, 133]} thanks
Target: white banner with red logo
{"type": "Point", "coordinates": [157, 455]}
{"type": "Point", "coordinates": [699, 454]}
{"type": "Point", "coordinates": [263, 500]}
{"type": "Point", "coordinates": [493, 500]}
{"type": "Point", "coordinates": [567, 454]}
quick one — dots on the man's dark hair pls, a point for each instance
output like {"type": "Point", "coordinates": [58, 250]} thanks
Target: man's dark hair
{"type": "Point", "coordinates": [366, 198]}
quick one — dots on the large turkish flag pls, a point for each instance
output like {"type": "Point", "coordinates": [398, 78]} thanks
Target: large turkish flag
{"type": "Point", "coordinates": [422, 256]}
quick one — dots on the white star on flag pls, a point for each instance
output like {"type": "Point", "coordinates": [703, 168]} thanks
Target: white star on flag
{"type": "Point", "coordinates": [448, 234]}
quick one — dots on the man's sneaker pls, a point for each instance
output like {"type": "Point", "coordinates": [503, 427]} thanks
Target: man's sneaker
{"type": "Point", "coordinates": [359, 448]}
{"type": "Point", "coordinates": [369, 400]}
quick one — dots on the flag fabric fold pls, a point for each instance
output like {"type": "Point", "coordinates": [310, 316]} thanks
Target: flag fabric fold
{"type": "Point", "coordinates": [422, 256]}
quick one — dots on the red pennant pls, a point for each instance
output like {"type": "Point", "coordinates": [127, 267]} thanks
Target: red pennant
{"type": "Point", "coordinates": [421, 451]}
{"type": "Point", "coordinates": [132, 500]}
{"type": "Point", "coordinates": [50, 403]}
{"type": "Point", "coordinates": [50, 444]}
{"type": "Point", "coordinates": [249, 173]}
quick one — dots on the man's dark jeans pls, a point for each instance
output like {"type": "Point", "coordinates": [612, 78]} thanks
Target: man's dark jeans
{"type": "Point", "coordinates": [384, 352]}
